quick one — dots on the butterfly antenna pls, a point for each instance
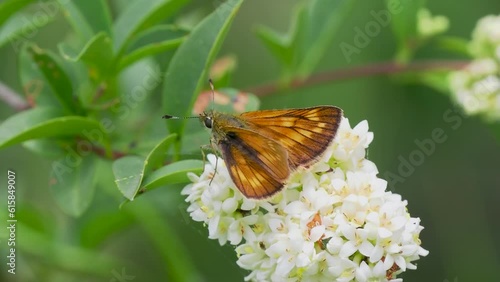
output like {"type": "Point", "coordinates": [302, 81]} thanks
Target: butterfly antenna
{"type": "Point", "coordinates": [174, 117]}
{"type": "Point", "coordinates": [213, 91]}
{"type": "Point", "coordinates": [213, 103]}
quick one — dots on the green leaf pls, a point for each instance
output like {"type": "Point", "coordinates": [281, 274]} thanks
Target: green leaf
{"type": "Point", "coordinates": [10, 7]}
{"type": "Point", "coordinates": [283, 45]}
{"type": "Point", "coordinates": [454, 44]}
{"type": "Point", "coordinates": [278, 44]}
{"type": "Point", "coordinates": [404, 24]}
{"type": "Point", "coordinates": [129, 172]}
{"type": "Point", "coordinates": [47, 148]}
{"type": "Point", "coordinates": [193, 141]}
{"type": "Point", "coordinates": [77, 20]}
{"type": "Point", "coordinates": [314, 25]}
{"type": "Point", "coordinates": [57, 79]}
{"type": "Point", "coordinates": [139, 16]}
{"type": "Point", "coordinates": [404, 17]}
{"type": "Point", "coordinates": [187, 70]}
{"type": "Point", "coordinates": [18, 30]}
{"type": "Point", "coordinates": [88, 17]}
{"type": "Point", "coordinates": [73, 185]}
{"type": "Point", "coordinates": [153, 41]}
{"type": "Point", "coordinates": [46, 122]}
{"type": "Point", "coordinates": [172, 173]}
{"type": "Point", "coordinates": [137, 83]}
{"type": "Point", "coordinates": [97, 53]}
{"type": "Point", "coordinates": [156, 157]}
{"type": "Point", "coordinates": [324, 19]}
{"type": "Point", "coordinates": [33, 82]}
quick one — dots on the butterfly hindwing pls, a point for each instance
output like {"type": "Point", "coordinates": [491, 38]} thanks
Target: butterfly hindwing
{"type": "Point", "coordinates": [257, 173]}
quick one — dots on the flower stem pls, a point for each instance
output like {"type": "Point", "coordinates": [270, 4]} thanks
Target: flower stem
{"type": "Point", "coordinates": [381, 68]}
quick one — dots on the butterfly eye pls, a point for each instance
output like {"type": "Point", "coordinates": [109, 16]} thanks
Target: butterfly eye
{"type": "Point", "coordinates": [208, 122]}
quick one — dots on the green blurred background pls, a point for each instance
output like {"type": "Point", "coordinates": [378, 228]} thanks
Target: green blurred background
{"type": "Point", "coordinates": [455, 192]}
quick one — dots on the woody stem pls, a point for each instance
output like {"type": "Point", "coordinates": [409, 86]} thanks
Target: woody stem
{"type": "Point", "coordinates": [383, 68]}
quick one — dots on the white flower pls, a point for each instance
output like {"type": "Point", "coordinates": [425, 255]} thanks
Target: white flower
{"type": "Point", "coordinates": [333, 222]}
{"type": "Point", "coordinates": [477, 87]}
{"type": "Point", "coordinates": [374, 273]}
{"type": "Point", "coordinates": [486, 38]}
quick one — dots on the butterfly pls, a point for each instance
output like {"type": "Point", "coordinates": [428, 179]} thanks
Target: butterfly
{"type": "Point", "coordinates": [263, 148]}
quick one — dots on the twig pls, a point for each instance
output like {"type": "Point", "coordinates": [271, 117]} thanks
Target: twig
{"type": "Point", "coordinates": [11, 98]}
{"type": "Point", "coordinates": [383, 68]}
{"type": "Point", "coordinates": [101, 152]}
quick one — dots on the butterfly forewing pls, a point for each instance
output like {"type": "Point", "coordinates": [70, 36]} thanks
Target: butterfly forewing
{"type": "Point", "coordinates": [304, 133]}
{"type": "Point", "coordinates": [256, 172]}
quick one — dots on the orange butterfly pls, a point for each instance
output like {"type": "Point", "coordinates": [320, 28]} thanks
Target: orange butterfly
{"type": "Point", "coordinates": [262, 148]}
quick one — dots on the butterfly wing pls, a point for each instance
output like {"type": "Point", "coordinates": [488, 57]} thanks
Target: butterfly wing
{"type": "Point", "coordinates": [257, 165]}
{"type": "Point", "coordinates": [304, 133]}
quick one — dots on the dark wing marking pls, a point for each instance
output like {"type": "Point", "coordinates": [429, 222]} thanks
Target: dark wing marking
{"type": "Point", "coordinates": [257, 165]}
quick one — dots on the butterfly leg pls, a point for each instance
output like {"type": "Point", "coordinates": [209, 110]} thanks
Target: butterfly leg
{"type": "Point", "coordinates": [202, 149]}
{"type": "Point", "coordinates": [215, 171]}
{"type": "Point", "coordinates": [211, 148]}
{"type": "Point", "coordinates": [217, 153]}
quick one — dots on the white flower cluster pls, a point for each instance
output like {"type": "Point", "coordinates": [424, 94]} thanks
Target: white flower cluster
{"type": "Point", "coordinates": [333, 222]}
{"type": "Point", "coordinates": [486, 38]}
{"type": "Point", "coordinates": [477, 87]}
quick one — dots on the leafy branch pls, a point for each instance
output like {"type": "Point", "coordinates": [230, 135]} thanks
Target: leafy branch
{"type": "Point", "coordinates": [16, 102]}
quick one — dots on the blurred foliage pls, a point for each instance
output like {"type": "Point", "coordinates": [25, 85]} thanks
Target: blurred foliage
{"type": "Point", "coordinates": [98, 75]}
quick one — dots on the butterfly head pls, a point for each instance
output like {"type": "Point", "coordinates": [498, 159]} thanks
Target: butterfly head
{"type": "Point", "coordinates": [207, 119]}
